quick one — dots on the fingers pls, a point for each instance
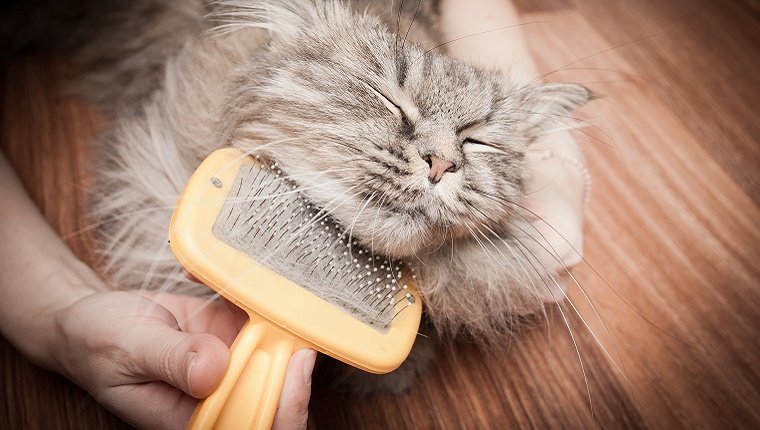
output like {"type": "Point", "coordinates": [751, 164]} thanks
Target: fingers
{"type": "Point", "coordinates": [202, 314]}
{"type": "Point", "coordinates": [156, 405]}
{"type": "Point", "coordinates": [191, 277]}
{"type": "Point", "coordinates": [194, 363]}
{"type": "Point", "coordinates": [296, 391]}
{"type": "Point", "coordinates": [152, 405]}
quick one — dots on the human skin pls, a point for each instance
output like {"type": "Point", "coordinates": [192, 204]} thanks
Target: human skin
{"type": "Point", "coordinates": [558, 178]}
{"type": "Point", "coordinates": [148, 358]}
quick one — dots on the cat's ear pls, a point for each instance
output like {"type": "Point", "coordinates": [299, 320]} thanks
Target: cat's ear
{"type": "Point", "coordinates": [548, 107]}
{"type": "Point", "coordinates": [283, 18]}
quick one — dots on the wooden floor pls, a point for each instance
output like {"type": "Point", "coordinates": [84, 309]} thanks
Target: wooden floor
{"type": "Point", "coordinates": [668, 308]}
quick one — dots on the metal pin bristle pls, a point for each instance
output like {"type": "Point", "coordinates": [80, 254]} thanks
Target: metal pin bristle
{"type": "Point", "coordinates": [268, 219]}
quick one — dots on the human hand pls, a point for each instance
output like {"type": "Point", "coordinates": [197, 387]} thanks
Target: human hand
{"type": "Point", "coordinates": [556, 193]}
{"type": "Point", "coordinates": [558, 184]}
{"type": "Point", "coordinates": [148, 358]}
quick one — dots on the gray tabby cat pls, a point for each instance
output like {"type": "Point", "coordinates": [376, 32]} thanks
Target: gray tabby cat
{"type": "Point", "coordinates": [420, 156]}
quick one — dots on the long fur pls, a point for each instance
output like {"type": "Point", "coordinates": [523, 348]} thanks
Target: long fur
{"type": "Point", "coordinates": [350, 103]}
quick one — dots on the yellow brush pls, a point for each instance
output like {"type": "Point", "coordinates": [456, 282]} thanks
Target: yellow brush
{"type": "Point", "coordinates": [242, 228]}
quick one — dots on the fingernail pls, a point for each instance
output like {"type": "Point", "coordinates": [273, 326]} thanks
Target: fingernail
{"type": "Point", "coordinates": [190, 364]}
{"type": "Point", "coordinates": [308, 359]}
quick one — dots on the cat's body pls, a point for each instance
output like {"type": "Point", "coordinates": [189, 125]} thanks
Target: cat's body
{"type": "Point", "coordinates": [418, 155]}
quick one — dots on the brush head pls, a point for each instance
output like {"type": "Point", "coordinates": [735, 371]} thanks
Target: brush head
{"type": "Point", "coordinates": [267, 217]}
{"type": "Point", "coordinates": [243, 230]}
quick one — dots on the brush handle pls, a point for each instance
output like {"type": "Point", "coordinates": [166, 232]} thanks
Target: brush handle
{"type": "Point", "coordinates": [249, 394]}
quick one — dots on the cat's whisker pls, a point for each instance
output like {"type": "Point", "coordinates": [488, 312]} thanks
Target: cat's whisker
{"type": "Point", "coordinates": [567, 126]}
{"type": "Point", "coordinates": [558, 259]}
{"type": "Point", "coordinates": [293, 191]}
{"type": "Point", "coordinates": [198, 309]}
{"type": "Point", "coordinates": [411, 23]}
{"type": "Point", "coordinates": [541, 77]}
{"type": "Point", "coordinates": [555, 255]}
{"type": "Point", "coordinates": [112, 218]}
{"type": "Point", "coordinates": [356, 216]}
{"type": "Point", "coordinates": [153, 266]}
{"type": "Point", "coordinates": [516, 278]}
{"type": "Point", "coordinates": [596, 272]}
{"type": "Point", "coordinates": [527, 275]}
{"type": "Point", "coordinates": [491, 257]}
{"type": "Point", "coordinates": [482, 245]}
{"type": "Point", "coordinates": [485, 248]}
{"type": "Point", "coordinates": [398, 29]}
{"type": "Point", "coordinates": [596, 338]}
{"type": "Point", "coordinates": [452, 247]}
{"type": "Point", "coordinates": [583, 123]}
{"type": "Point", "coordinates": [330, 123]}
{"type": "Point", "coordinates": [633, 77]}
{"type": "Point", "coordinates": [522, 248]}
{"type": "Point", "coordinates": [324, 210]}
{"type": "Point", "coordinates": [253, 130]}
{"type": "Point", "coordinates": [507, 27]}
{"type": "Point", "coordinates": [258, 150]}
{"type": "Point", "coordinates": [513, 275]}
{"type": "Point", "coordinates": [383, 196]}
{"type": "Point", "coordinates": [170, 281]}
{"type": "Point", "coordinates": [441, 243]}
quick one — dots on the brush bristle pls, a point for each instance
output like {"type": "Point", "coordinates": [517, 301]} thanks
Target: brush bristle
{"type": "Point", "coordinates": [267, 217]}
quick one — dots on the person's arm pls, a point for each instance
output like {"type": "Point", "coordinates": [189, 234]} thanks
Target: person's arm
{"type": "Point", "coordinates": [147, 358]}
{"type": "Point", "coordinates": [38, 272]}
{"type": "Point", "coordinates": [559, 183]}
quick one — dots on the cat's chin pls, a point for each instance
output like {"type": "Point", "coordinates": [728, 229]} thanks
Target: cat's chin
{"type": "Point", "coordinates": [399, 235]}
{"type": "Point", "coordinates": [406, 235]}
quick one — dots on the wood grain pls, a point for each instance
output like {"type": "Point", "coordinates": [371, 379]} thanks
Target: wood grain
{"type": "Point", "coordinates": [664, 318]}
{"type": "Point", "coordinates": [46, 135]}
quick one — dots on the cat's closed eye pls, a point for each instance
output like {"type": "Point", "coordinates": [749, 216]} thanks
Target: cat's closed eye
{"type": "Point", "coordinates": [393, 107]}
{"type": "Point", "coordinates": [470, 144]}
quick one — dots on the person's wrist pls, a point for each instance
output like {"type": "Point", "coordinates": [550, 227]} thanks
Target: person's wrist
{"type": "Point", "coordinates": [73, 282]}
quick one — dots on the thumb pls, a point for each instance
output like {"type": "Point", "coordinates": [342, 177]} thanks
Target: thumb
{"type": "Point", "coordinates": [193, 362]}
{"type": "Point", "coordinates": [293, 411]}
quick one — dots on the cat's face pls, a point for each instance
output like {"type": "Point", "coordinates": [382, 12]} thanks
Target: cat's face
{"type": "Point", "coordinates": [402, 147]}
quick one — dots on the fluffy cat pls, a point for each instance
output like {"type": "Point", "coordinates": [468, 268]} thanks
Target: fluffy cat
{"type": "Point", "coordinates": [419, 155]}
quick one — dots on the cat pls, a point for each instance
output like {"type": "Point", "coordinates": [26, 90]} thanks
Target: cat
{"type": "Point", "coordinates": [421, 156]}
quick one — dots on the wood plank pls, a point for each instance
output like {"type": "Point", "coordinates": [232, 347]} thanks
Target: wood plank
{"type": "Point", "coordinates": [46, 135]}
{"type": "Point", "coordinates": [671, 233]}
{"type": "Point", "coordinates": [672, 239]}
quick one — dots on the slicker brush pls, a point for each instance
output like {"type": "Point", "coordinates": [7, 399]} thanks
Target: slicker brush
{"type": "Point", "coordinates": [245, 230]}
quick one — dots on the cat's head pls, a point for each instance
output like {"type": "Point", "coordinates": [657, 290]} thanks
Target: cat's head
{"type": "Point", "coordinates": [404, 147]}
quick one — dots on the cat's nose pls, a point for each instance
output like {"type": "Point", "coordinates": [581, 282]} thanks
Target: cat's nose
{"type": "Point", "coordinates": [438, 167]}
